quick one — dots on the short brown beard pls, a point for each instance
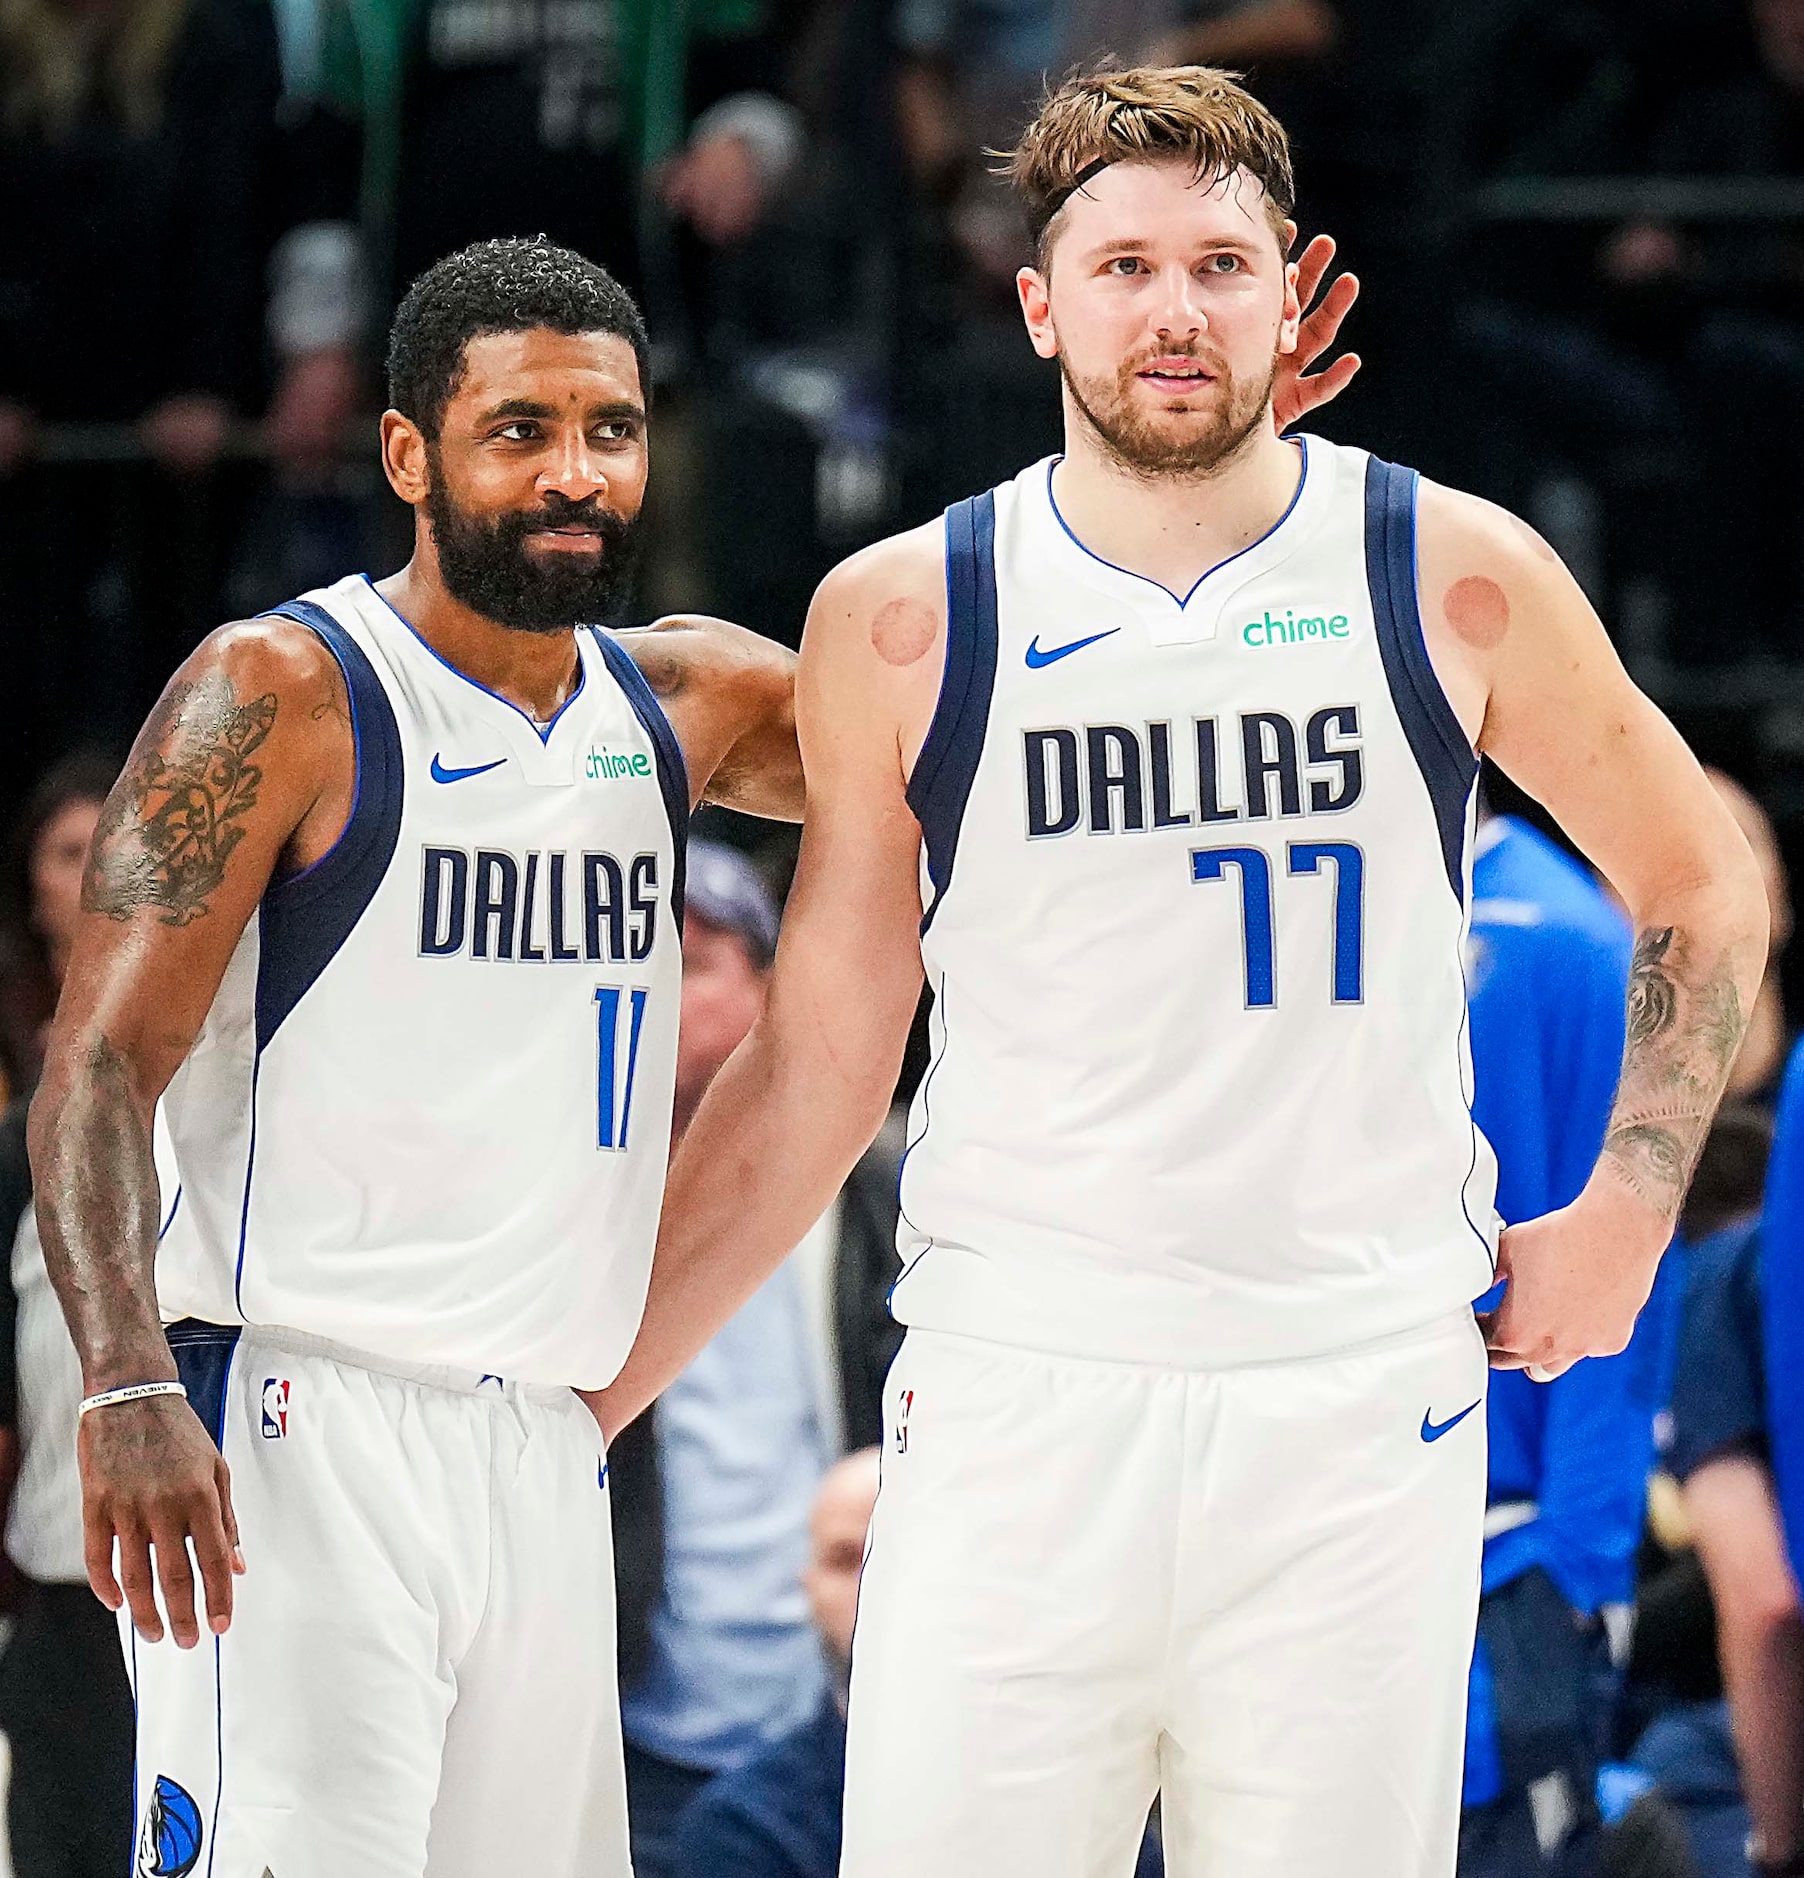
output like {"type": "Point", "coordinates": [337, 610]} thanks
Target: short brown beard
{"type": "Point", "coordinates": [1137, 445]}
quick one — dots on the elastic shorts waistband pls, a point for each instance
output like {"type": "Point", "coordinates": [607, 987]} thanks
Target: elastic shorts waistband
{"type": "Point", "coordinates": [301, 1343]}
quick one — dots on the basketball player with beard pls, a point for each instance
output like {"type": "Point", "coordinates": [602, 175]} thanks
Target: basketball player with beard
{"type": "Point", "coordinates": [1161, 759]}
{"type": "Point", "coordinates": [355, 1120]}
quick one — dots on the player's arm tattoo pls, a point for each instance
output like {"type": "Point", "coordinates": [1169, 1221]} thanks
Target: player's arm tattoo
{"type": "Point", "coordinates": [1685, 1024]}
{"type": "Point", "coordinates": [96, 1198]}
{"type": "Point", "coordinates": [177, 812]}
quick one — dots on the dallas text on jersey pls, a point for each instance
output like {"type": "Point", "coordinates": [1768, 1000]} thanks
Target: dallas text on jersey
{"type": "Point", "coordinates": [1115, 780]}
{"type": "Point", "coordinates": [537, 907]}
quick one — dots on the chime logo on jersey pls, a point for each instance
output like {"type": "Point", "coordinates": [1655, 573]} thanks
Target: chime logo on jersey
{"type": "Point", "coordinates": [275, 1408]}
{"type": "Point", "coordinates": [169, 1839]}
{"type": "Point", "coordinates": [605, 765]}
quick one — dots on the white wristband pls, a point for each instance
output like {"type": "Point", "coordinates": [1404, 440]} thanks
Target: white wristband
{"type": "Point", "coordinates": [133, 1392]}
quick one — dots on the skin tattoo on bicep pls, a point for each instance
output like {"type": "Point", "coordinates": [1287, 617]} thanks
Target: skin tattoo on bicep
{"type": "Point", "coordinates": [1685, 1024]}
{"type": "Point", "coordinates": [177, 812]}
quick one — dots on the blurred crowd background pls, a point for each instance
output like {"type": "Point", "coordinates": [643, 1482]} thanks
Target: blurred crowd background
{"type": "Point", "coordinates": [1580, 229]}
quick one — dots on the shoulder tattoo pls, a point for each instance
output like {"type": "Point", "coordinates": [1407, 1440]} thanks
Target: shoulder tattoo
{"type": "Point", "coordinates": [177, 812]}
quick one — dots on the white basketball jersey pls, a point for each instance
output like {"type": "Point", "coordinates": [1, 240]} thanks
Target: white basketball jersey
{"type": "Point", "coordinates": [429, 1111]}
{"type": "Point", "coordinates": [1196, 881]}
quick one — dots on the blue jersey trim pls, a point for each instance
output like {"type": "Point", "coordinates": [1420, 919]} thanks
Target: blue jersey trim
{"type": "Point", "coordinates": [939, 1056]}
{"type": "Point", "coordinates": [1436, 738]}
{"type": "Point", "coordinates": [304, 919]}
{"type": "Point", "coordinates": [175, 1206]}
{"type": "Point", "coordinates": [673, 770]}
{"type": "Point", "coordinates": [947, 765]}
{"type": "Point", "coordinates": [203, 1359]}
{"type": "Point", "coordinates": [1159, 586]}
{"type": "Point", "coordinates": [204, 1354]}
{"type": "Point", "coordinates": [541, 731]}
{"type": "Point", "coordinates": [244, 1200]}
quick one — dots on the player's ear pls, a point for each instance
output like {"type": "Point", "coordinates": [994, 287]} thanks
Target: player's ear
{"type": "Point", "coordinates": [1292, 316]}
{"type": "Point", "coordinates": [404, 458]}
{"type": "Point", "coordinates": [1036, 309]}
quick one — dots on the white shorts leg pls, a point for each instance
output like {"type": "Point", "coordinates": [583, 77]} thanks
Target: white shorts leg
{"type": "Point", "coordinates": [1011, 1619]}
{"type": "Point", "coordinates": [534, 1778]}
{"type": "Point", "coordinates": [379, 1515]}
{"type": "Point", "coordinates": [1315, 1720]}
{"type": "Point", "coordinates": [1255, 1589]}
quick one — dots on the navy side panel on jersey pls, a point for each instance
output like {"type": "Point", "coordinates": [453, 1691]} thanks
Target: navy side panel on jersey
{"type": "Point", "coordinates": [307, 917]}
{"type": "Point", "coordinates": [1435, 735]}
{"type": "Point", "coordinates": [943, 772]}
{"type": "Point", "coordinates": [203, 1359]}
{"type": "Point", "coordinates": [673, 772]}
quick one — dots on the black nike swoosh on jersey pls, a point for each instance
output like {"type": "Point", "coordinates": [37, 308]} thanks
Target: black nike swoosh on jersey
{"type": "Point", "coordinates": [442, 775]}
{"type": "Point", "coordinates": [1050, 655]}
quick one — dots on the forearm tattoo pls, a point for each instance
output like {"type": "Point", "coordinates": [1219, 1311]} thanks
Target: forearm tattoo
{"type": "Point", "coordinates": [1685, 1024]}
{"type": "Point", "coordinates": [176, 814]}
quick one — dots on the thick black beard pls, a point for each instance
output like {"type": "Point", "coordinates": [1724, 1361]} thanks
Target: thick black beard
{"type": "Point", "coordinates": [486, 564]}
{"type": "Point", "coordinates": [1139, 449]}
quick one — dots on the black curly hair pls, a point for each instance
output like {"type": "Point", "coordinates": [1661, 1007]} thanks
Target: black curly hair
{"type": "Point", "coordinates": [498, 287]}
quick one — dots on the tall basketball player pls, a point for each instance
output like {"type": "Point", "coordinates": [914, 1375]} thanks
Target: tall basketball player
{"type": "Point", "coordinates": [385, 911]}
{"type": "Point", "coordinates": [1161, 757]}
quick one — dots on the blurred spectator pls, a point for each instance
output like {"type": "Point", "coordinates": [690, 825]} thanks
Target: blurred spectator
{"type": "Point", "coordinates": [726, 1660]}
{"type": "Point", "coordinates": [133, 144]}
{"type": "Point", "coordinates": [40, 898]}
{"type": "Point", "coordinates": [1569, 1460]}
{"type": "Point", "coordinates": [1722, 301]}
{"type": "Point", "coordinates": [486, 119]}
{"type": "Point", "coordinates": [65, 1706]}
{"type": "Point", "coordinates": [778, 1815]}
{"type": "Point", "coordinates": [1722, 1455]}
{"type": "Point", "coordinates": [1762, 1056]}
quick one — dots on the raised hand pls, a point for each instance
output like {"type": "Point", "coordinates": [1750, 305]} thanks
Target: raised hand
{"type": "Point", "coordinates": [1294, 395]}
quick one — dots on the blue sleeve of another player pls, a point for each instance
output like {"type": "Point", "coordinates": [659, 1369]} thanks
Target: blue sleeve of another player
{"type": "Point", "coordinates": [1597, 1429]}
{"type": "Point", "coordinates": [1591, 1015]}
{"type": "Point", "coordinates": [1782, 1277]}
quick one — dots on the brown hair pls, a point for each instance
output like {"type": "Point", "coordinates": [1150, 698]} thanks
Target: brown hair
{"type": "Point", "coordinates": [1145, 114]}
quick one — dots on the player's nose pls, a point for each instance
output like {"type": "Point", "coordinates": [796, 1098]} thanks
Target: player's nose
{"type": "Point", "coordinates": [574, 469]}
{"type": "Point", "coordinates": [1178, 313]}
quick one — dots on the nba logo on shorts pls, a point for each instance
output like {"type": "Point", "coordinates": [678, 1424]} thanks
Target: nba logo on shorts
{"type": "Point", "coordinates": [275, 1407]}
{"type": "Point", "coordinates": [908, 1402]}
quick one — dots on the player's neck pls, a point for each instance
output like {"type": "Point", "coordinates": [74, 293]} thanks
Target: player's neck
{"type": "Point", "coordinates": [535, 671]}
{"type": "Point", "coordinates": [1173, 530]}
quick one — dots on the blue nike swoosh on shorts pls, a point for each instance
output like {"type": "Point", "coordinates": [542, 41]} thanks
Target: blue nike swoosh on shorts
{"type": "Point", "coordinates": [442, 775]}
{"type": "Point", "coordinates": [1433, 1430]}
{"type": "Point", "coordinates": [1036, 658]}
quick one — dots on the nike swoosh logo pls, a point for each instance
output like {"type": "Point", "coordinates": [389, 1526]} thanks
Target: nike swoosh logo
{"type": "Point", "coordinates": [1433, 1430]}
{"type": "Point", "coordinates": [441, 774]}
{"type": "Point", "coordinates": [1036, 658]}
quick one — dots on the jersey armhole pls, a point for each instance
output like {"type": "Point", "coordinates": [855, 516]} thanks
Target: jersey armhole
{"type": "Point", "coordinates": [940, 784]}
{"type": "Point", "coordinates": [673, 768]}
{"type": "Point", "coordinates": [304, 918]}
{"type": "Point", "coordinates": [1448, 764]}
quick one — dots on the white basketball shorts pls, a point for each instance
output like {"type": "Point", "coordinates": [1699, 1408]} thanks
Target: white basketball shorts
{"type": "Point", "coordinates": [1251, 1591]}
{"type": "Point", "coordinates": [418, 1681]}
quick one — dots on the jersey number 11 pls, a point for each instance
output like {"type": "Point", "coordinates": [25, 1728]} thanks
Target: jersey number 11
{"type": "Point", "coordinates": [616, 1061]}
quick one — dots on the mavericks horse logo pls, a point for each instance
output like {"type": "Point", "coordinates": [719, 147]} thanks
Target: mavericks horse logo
{"type": "Point", "coordinates": [169, 1839]}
